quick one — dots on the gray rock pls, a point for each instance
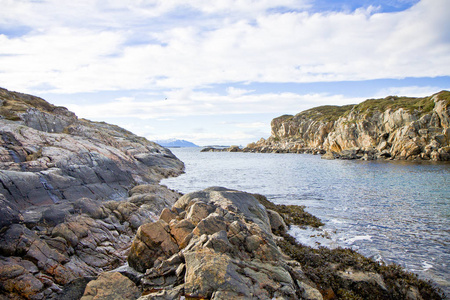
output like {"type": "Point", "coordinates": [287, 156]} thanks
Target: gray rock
{"type": "Point", "coordinates": [9, 213]}
{"type": "Point", "coordinates": [219, 256]}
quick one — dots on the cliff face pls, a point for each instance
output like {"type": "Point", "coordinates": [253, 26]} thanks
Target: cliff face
{"type": "Point", "coordinates": [49, 155]}
{"type": "Point", "coordinates": [393, 127]}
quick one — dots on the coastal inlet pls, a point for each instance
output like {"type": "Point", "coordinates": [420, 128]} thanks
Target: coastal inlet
{"type": "Point", "coordinates": [396, 212]}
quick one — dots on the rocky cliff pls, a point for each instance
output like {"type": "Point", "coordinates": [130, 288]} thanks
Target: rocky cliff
{"type": "Point", "coordinates": [72, 195]}
{"type": "Point", "coordinates": [49, 155]}
{"type": "Point", "coordinates": [393, 127]}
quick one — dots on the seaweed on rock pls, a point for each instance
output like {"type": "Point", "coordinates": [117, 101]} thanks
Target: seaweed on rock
{"type": "Point", "coordinates": [343, 273]}
{"type": "Point", "coordinates": [292, 214]}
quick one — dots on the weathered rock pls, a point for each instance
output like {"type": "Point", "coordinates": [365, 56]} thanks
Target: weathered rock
{"type": "Point", "coordinates": [208, 271]}
{"type": "Point", "coordinates": [55, 172]}
{"type": "Point", "coordinates": [153, 241]}
{"type": "Point", "coordinates": [180, 230]}
{"type": "Point", "coordinates": [50, 155]}
{"type": "Point", "coordinates": [74, 290]}
{"type": "Point", "coordinates": [167, 215]}
{"type": "Point", "coordinates": [277, 223]}
{"type": "Point", "coordinates": [9, 213]}
{"type": "Point", "coordinates": [393, 127]}
{"type": "Point", "coordinates": [111, 285]}
{"type": "Point", "coordinates": [228, 250]}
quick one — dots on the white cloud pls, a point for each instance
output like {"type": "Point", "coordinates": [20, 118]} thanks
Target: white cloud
{"type": "Point", "coordinates": [85, 46]}
{"type": "Point", "coordinates": [252, 125]}
{"type": "Point", "coordinates": [184, 103]}
{"type": "Point", "coordinates": [410, 91]}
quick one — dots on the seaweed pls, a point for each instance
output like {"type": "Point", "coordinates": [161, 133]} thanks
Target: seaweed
{"type": "Point", "coordinates": [324, 266]}
{"type": "Point", "coordinates": [292, 214]}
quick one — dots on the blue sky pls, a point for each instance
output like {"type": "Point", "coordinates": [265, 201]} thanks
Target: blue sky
{"type": "Point", "coordinates": [217, 72]}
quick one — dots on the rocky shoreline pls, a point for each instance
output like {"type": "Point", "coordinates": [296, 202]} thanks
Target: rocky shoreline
{"type": "Point", "coordinates": [83, 216]}
{"type": "Point", "coordinates": [392, 128]}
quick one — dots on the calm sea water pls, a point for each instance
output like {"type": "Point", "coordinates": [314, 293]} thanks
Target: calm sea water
{"type": "Point", "coordinates": [396, 212]}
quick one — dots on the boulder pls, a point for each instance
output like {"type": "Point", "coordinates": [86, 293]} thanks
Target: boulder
{"type": "Point", "coordinates": [111, 285]}
{"type": "Point", "coordinates": [227, 250]}
{"type": "Point", "coordinates": [277, 223]}
{"type": "Point", "coordinates": [153, 241]}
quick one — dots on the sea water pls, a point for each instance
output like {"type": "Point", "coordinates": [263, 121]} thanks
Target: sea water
{"type": "Point", "coordinates": [393, 211]}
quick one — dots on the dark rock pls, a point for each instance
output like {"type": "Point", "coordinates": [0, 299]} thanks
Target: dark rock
{"type": "Point", "coordinates": [9, 213]}
{"type": "Point", "coordinates": [54, 216]}
{"type": "Point", "coordinates": [74, 290]}
{"type": "Point", "coordinates": [93, 209]}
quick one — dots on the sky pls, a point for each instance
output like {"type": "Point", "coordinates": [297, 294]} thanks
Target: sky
{"type": "Point", "coordinates": [217, 72]}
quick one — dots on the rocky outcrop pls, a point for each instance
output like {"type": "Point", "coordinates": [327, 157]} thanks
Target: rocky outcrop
{"type": "Point", "coordinates": [389, 128]}
{"type": "Point", "coordinates": [72, 195]}
{"type": "Point", "coordinates": [221, 244]}
{"type": "Point", "coordinates": [50, 246]}
{"type": "Point", "coordinates": [216, 244]}
{"type": "Point", "coordinates": [48, 155]}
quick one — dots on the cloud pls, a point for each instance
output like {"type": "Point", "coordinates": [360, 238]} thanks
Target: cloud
{"type": "Point", "coordinates": [183, 103]}
{"type": "Point", "coordinates": [411, 91]}
{"type": "Point", "coordinates": [252, 125]}
{"type": "Point", "coordinates": [86, 46]}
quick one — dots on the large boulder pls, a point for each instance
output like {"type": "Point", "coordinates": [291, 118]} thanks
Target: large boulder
{"type": "Point", "coordinates": [152, 242]}
{"type": "Point", "coordinates": [226, 250]}
{"type": "Point", "coordinates": [111, 285]}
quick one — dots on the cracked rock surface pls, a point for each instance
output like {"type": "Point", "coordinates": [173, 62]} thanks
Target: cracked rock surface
{"type": "Point", "coordinates": [215, 244]}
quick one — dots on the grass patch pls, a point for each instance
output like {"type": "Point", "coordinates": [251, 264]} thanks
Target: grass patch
{"type": "Point", "coordinates": [420, 105]}
{"type": "Point", "coordinates": [445, 95]}
{"type": "Point", "coordinates": [326, 113]}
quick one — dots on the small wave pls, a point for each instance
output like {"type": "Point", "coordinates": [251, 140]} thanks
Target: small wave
{"type": "Point", "coordinates": [426, 266]}
{"type": "Point", "coordinates": [359, 238]}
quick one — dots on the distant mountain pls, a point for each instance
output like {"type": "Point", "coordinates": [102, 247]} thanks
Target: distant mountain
{"type": "Point", "coordinates": [175, 143]}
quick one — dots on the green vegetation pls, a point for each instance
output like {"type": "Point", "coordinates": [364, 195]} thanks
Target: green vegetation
{"type": "Point", "coordinates": [445, 95]}
{"type": "Point", "coordinates": [12, 104]}
{"type": "Point", "coordinates": [327, 113]}
{"type": "Point", "coordinates": [421, 105]}
{"type": "Point", "coordinates": [283, 118]}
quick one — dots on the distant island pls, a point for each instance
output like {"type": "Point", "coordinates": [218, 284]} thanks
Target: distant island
{"type": "Point", "coordinates": [174, 143]}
